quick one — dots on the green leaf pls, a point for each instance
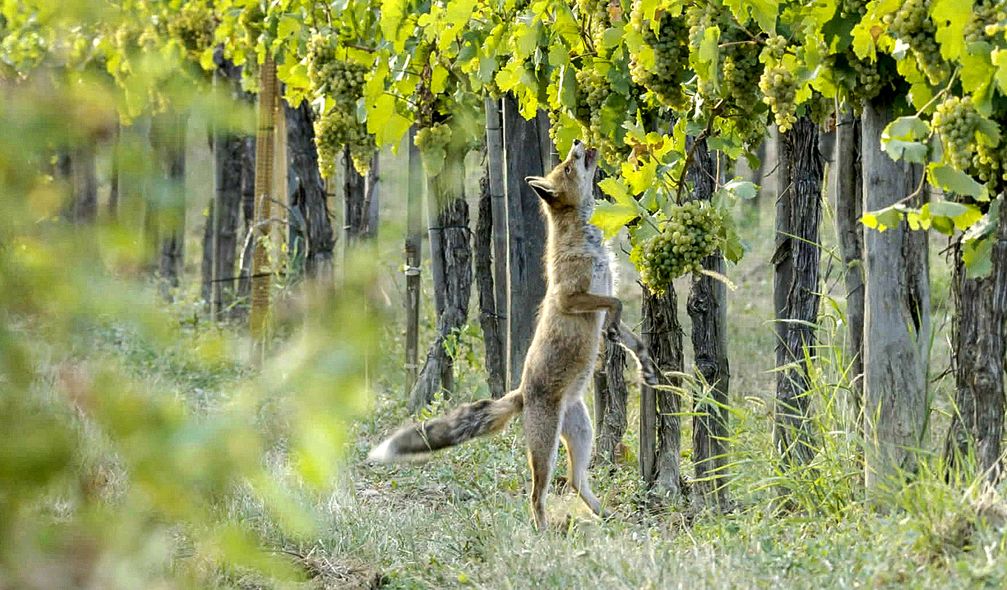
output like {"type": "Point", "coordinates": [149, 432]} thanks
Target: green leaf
{"type": "Point", "coordinates": [567, 87]}
{"type": "Point", "coordinates": [900, 139]}
{"type": "Point", "coordinates": [956, 181]}
{"type": "Point", "coordinates": [612, 217]}
{"type": "Point", "coordinates": [743, 189]}
{"type": "Point", "coordinates": [976, 254]}
{"type": "Point", "coordinates": [883, 219]}
{"type": "Point", "coordinates": [951, 17]}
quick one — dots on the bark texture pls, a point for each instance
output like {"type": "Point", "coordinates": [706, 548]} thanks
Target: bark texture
{"type": "Point", "coordinates": [611, 394]}
{"type": "Point", "coordinates": [167, 137]}
{"type": "Point", "coordinates": [978, 346]}
{"type": "Point", "coordinates": [451, 257]}
{"type": "Point", "coordinates": [896, 315]}
{"type": "Point", "coordinates": [660, 424]}
{"type": "Point", "coordinates": [220, 237]}
{"type": "Point", "coordinates": [707, 306]}
{"type": "Point", "coordinates": [848, 191]}
{"type": "Point", "coordinates": [488, 319]}
{"type": "Point", "coordinates": [498, 207]}
{"type": "Point", "coordinates": [523, 157]}
{"type": "Point", "coordinates": [311, 238]}
{"type": "Point", "coordinates": [796, 288]}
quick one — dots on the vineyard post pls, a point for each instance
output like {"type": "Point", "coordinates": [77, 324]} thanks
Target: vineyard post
{"type": "Point", "coordinates": [413, 246]}
{"type": "Point", "coordinates": [525, 230]}
{"type": "Point", "coordinates": [498, 210]}
{"type": "Point", "coordinates": [896, 314]}
{"type": "Point", "coordinates": [264, 160]}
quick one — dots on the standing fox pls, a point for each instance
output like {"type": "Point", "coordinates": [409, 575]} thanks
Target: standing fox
{"type": "Point", "coordinates": [563, 351]}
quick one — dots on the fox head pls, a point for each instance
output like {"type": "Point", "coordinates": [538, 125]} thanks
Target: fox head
{"type": "Point", "coordinates": [570, 185]}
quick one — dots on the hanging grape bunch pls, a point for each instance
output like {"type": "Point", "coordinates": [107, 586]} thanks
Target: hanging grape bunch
{"type": "Point", "coordinates": [779, 89]}
{"type": "Point", "coordinates": [692, 232]}
{"type": "Point", "coordinates": [193, 27]}
{"type": "Point", "coordinates": [342, 83]}
{"type": "Point", "coordinates": [740, 74]}
{"type": "Point", "coordinates": [778, 84]}
{"type": "Point", "coordinates": [592, 92]}
{"type": "Point", "coordinates": [598, 17]}
{"type": "Point", "coordinates": [911, 23]}
{"type": "Point", "coordinates": [433, 143]}
{"type": "Point", "coordinates": [956, 122]}
{"type": "Point", "coordinates": [671, 56]}
{"type": "Point", "coordinates": [988, 19]}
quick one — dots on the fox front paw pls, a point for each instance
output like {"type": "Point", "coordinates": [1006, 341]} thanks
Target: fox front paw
{"type": "Point", "coordinates": [612, 333]}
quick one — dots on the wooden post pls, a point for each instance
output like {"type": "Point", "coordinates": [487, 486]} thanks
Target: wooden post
{"type": "Point", "coordinates": [414, 243]}
{"type": "Point", "coordinates": [264, 160]}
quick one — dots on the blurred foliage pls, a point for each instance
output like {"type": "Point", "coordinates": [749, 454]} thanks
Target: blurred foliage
{"type": "Point", "coordinates": [108, 478]}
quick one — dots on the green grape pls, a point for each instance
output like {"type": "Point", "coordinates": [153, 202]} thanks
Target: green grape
{"type": "Point", "coordinates": [911, 23]}
{"type": "Point", "coordinates": [740, 75]}
{"type": "Point", "coordinates": [989, 165]}
{"type": "Point", "coordinates": [955, 122]}
{"type": "Point", "coordinates": [337, 129]}
{"type": "Point", "coordinates": [671, 56]}
{"type": "Point", "coordinates": [690, 234]}
{"type": "Point", "coordinates": [985, 21]}
{"type": "Point", "coordinates": [597, 15]}
{"type": "Point", "coordinates": [192, 26]}
{"type": "Point", "coordinates": [343, 83]}
{"type": "Point", "coordinates": [779, 88]}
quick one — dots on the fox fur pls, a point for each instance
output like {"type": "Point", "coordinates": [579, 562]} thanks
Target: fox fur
{"type": "Point", "coordinates": [578, 306]}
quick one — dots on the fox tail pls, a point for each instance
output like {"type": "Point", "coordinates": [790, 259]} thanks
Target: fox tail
{"type": "Point", "coordinates": [460, 425]}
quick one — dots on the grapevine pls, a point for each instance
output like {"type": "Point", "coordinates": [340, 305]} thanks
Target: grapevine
{"type": "Point", "coordinates": [692, 232]}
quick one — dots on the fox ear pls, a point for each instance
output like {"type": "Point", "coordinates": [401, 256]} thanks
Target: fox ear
{"type": "Point", "coordinates": [542, 187]}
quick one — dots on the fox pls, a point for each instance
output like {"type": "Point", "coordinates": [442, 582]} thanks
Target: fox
{"type": "Point", "coordinates": [577, 309]}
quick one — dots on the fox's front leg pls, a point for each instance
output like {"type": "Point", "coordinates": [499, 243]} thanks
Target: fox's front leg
{"type": "Point", "coordinates": [591, 302]}
{"type": "Point", "coordinates": [634, 344]}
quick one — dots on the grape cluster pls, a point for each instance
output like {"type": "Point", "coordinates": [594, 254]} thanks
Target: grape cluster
{"type": "Point", "coordinates": [338, 126]}
{"type": "Point", "coordinates": [437, 136]}
{"type": "Point", "coordinates": [692, 232]}
{"type": "Point", "coordinates": [911, 23]}
{"type": "Point", "coordinates": [337, 129]}
{"type": "Point", "coordinates": [341, 80]}
{"type": "Point", "coordinates": [592, 91]}
{"type": "Point", "coordinates": [671, 56]}
{"type": "Point", "coordinates": [989, 165]}
{"type": "Point", "coordinates": [779, 88]}
{"type": "Point", "coordinates": [956, 121]}
{"type": "Point", "coordinates": [987, 20]}
{"type": "Point", "coordinates": [740, 74]}
{"type": "Point", "coordinates": [596, 15]}
{"type": "Point", "coordinates": [193, 26]}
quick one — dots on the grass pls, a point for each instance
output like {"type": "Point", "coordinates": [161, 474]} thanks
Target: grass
{"type": "Point", "coordinates": [461, 518]}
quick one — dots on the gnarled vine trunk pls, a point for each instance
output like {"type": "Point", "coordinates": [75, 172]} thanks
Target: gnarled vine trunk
{"type": "Point", "coordinates": [977, 425]}
{"type": "Point", "coordinates": [488, 319]}
{"type": "Point", "coordinates": [796, 288]}
{"type": "Point", "coordinates": [167, 137]}
{"type": "Point", "coordinates": [849, 209]}
{"type": "Point", "coordinates": [707, 306]}
{"type": "Point", "coordinates": [660, 424]}
{"type": "Point", "coordinates": [311, 241]}
{"type": "Point", "coordinates": [451, 260]}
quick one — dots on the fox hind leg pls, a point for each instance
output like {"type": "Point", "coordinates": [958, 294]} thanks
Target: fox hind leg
{"type": "Point", "coordinates": [542, 424]}
{"type": "Point", "coordinates": [577, 437]}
